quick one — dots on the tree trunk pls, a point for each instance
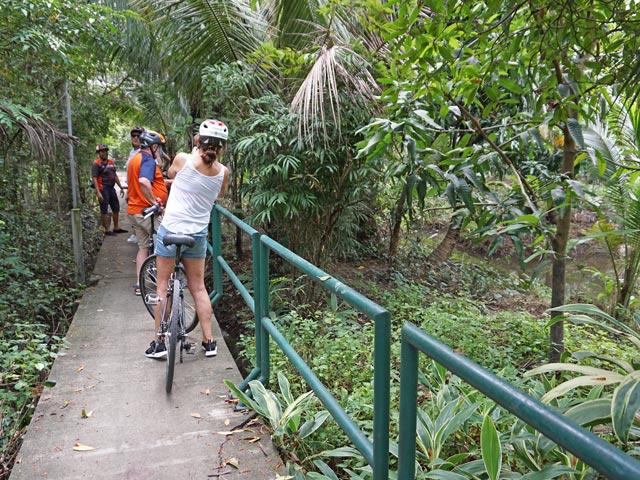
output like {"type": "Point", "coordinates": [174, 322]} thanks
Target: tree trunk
{"type": "Point", "coordinates": [397, 223]}
{"type": "Point", "coordinates": [630, 277]}
{"type": "Point", "coordinates": [562, 220]}
{"type": "Point", "coordinates": [444, 249]}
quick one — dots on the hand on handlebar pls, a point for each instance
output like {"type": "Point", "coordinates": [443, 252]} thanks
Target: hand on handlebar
{"type": "Point", "coordinates": [155, 209]}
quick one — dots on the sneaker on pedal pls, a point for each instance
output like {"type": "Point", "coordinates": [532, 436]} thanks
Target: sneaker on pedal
{"type": "Point", "coordinates": [210, 348]}
{"type": "Point", "coordinates": [156, 350]}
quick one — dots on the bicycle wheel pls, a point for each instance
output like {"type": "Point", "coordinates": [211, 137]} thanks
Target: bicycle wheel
{"type": "Point", "coordinates": [148, 285]}
{"type": "Point", "coordinates": [172, 342]}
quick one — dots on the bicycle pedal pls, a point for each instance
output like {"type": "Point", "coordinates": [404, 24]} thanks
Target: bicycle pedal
{"type": "Point", "coordinates": [190, 348]}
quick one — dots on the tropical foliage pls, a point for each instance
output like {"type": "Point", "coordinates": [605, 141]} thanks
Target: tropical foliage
{"type": "Point", "coordinates": [351, 122]}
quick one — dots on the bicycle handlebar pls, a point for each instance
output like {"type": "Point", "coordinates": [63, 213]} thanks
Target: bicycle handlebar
{"type": "Point", "coordinates": [154, 209]}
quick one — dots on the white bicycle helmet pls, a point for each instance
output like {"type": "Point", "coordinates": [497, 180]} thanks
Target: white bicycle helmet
{"type": "Point", "coordinates": [213, 132]}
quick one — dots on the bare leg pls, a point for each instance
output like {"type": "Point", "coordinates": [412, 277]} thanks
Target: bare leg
{"type": "Point", "coordinates": [142, 255]}
{"type": "Point", "coordinates": [194, 268]}
{"type": "Point", "coordinates": [105, 222]}
{"type": "Point", "coordinates": [164, 268]}
{"type": "Point", "coordinates": [116, 225]}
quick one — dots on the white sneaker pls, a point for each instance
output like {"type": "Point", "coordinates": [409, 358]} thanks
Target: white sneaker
{"type": "Point", "coordinates": [132, 238]}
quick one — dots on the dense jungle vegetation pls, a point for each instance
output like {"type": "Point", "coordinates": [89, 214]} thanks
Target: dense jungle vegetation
{"type": "Point", "coordinates": [443, 157]}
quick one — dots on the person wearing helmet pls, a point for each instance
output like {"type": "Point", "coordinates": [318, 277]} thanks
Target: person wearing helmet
{"type": "Point", "coordinates": [135, 148]}
{"type": "Point", "coordinates": [162, 159]}
{"type": "Point", "coordinates": [103, 172]}
{"type": "Point", "coordinates": [135, 143]}
{"type": "Point", "coordinates": [145, 185]}
{"type": "Point", "coordinates": [199, 179]}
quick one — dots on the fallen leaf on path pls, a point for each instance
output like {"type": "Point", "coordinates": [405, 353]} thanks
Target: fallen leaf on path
{"type": "Point", "coordinates": [196, 415]}
{"type": "Point", "coordinates": [206, 392]}
{"type": "Point", "coordinates": [79, 447]}
{"type": "Point", "coordinates": [252, 439]}
{"type": "Point", "coordinates": [230, 432]}
{"type": "Point", "coordinates": [86, 414]}
{"type": "Point", "coordinates": [80, 368]}
{"type": "Point", "coordinates": [233, 462]}
{"type": "Point", "coordinates": [227, 421]}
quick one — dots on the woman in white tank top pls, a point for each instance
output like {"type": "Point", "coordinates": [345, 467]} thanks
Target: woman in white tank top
{"type": "Point", "coordinates": [199, 180]}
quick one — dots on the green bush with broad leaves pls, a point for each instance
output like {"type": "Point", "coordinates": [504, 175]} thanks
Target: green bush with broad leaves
{"type": "Point", "coordinates": [36, 307]}
{"type": "Point", "coordinates": [461, 434]}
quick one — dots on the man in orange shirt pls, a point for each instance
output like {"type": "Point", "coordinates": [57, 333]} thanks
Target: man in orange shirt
{"type": "Point", "coordinates": [103, 172]}
{"type": "Point", "coordinates": [145, 185]}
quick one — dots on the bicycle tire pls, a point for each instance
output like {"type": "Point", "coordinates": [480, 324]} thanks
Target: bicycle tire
{"type": "Point", "coordinates": [172, 341]}
{"type": "Point", "coordinates": [148, 285]}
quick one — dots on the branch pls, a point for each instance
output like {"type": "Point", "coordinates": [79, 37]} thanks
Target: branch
{"type": "Point", "coordinates": [525, 188]}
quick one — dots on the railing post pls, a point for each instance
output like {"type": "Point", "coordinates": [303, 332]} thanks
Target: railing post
{"type": "Point", "coordinates": [216, 244]}
{"type": "Point", "coordinates": [381, 395]}
{"type": "Point", "coordinates": [262, 309]}
{"type": "Point", "coordinates": [408, 409]}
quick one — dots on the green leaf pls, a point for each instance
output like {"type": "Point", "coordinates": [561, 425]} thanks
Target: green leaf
{"type": "Point", "coordinates": [242, 397]}
{"type": "Point", "coordinates": [285, 388]}
{"type": "Point", "coordinates": [582, 381]}
{"type": "Point", "coordinates": [325, 469]}
{"type": "Point", "coordinates": [575, 129]}
{"type": "Point", "coordinates": [625, 404]}
{"type": "Point", "coordinates": [592, 412]}
{"type": "Point", "coordinates": [312, 425]}
{"type": "Point", "coordinates": [491, 449]}
{"type": "Point", "coordinates": [547, 473]}
{"type": "Point", "coordinates": [444, 475]}
{"type": "Point", "coordinates": [424, 115]}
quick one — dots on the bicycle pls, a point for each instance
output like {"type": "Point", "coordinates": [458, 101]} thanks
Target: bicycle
{"type": "Point", "coordinates": [148, 277]}
{"type": "Point", "coordinates": [172, 321]}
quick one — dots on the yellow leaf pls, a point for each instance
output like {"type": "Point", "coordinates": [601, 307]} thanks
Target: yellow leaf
{"type": "Point", "coordinates": [86, 414]}
{"type": "Point", "coordinates": [233, 462]}
{"type": "Point", "coordinates": [361, 267]}
{"type": "Point", "coordinates": [230, 432]}
{"type": "Point", "coordinates": [325, 278]}
{"type": "Point", "coordinates": [80, 368]}
{"type": "Point", "coordinates": [227, 421]}
{"type": "Point", "coordinates": [79, 447]}
{"type": "Point", "coordinates": [196, 415]}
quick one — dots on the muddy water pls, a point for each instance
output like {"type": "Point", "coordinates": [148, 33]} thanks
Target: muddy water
{"type": "Point", "coordinates": [584, 274]}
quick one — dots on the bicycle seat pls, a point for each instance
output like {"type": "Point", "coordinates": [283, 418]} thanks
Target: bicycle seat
{"type": "Point", "coordinates": [178, 239]}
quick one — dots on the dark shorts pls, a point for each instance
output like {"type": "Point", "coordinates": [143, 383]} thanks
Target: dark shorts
{"type": "Point", "coordinates": [109, 199]}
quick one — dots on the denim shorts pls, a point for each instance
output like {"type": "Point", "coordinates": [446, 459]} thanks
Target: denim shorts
{"type": "Point", "coordinates": [199, 249]}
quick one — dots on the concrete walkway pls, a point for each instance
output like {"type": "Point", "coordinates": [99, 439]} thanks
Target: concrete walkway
{"type": "Point", "coordinates": [108, 415]}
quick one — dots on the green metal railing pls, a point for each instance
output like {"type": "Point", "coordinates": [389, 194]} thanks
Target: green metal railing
{"type": "Point", "coordinates": [602, 456]}
{"type": "Point", "coordinates": [597, 453]}
{"type": "Point", "coordinates": [376, 451]}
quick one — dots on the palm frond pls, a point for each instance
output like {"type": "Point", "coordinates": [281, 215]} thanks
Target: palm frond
{"type": "Point", "coordinates": [335, 67]}
{"type": "Point", "coordinates": [41, 135]}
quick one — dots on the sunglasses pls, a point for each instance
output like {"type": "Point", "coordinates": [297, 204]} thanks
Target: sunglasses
{"type": "Point", "coordinates": [211, 142]}
{"type": "Point", "coordinates": [135, 135]}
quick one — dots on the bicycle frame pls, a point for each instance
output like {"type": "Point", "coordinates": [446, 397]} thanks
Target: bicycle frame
{"type": "Point", "coordinates": [172, 320]}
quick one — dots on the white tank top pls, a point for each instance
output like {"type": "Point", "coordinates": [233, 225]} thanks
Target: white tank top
{"type": "Point", "coordinates": [191, 199]}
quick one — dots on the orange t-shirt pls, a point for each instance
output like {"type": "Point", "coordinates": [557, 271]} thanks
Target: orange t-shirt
{"type": "Point", "coordinates": [142, 164]}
